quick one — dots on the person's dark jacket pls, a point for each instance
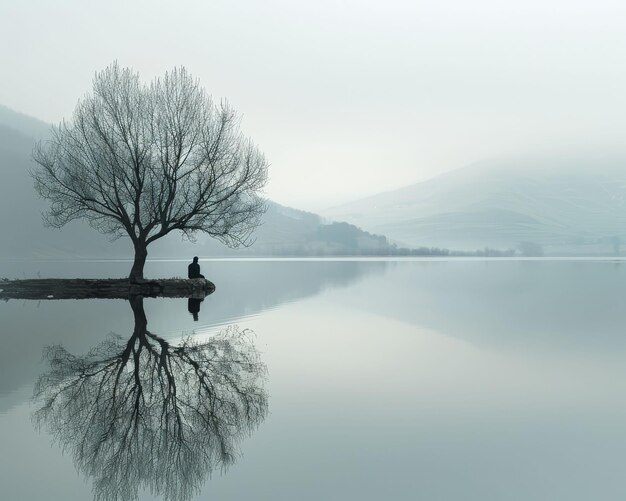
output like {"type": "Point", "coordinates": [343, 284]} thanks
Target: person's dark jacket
{"type": "Point", "coordinates": [193, 271]}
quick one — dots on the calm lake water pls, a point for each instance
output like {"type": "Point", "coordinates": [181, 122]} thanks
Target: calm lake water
{"type": "Point", "coordinates": [435, 380]}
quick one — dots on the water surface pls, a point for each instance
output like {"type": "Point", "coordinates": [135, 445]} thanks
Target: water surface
{"type": "Point", "coordinates": [439, 380]}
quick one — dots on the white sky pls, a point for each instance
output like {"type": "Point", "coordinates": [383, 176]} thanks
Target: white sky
{"type": "Point", "coordinates": [346, 98]}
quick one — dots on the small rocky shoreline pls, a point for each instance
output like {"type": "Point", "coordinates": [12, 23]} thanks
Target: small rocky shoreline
{"type": "Point", "coordinates": [108, 288]}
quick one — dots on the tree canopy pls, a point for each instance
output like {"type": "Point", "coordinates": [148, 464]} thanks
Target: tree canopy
{"type": "Point", "coordinates": [143, 160]}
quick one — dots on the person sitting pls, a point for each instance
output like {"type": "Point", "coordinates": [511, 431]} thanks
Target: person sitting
{"type": "Point", "coordinates": [193, 270]}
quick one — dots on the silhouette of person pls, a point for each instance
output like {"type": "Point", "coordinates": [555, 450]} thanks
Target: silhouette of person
{"type": "Point", "coordinates": [193, 270]}
{"type": "Point", "coordinates": [193, 305]}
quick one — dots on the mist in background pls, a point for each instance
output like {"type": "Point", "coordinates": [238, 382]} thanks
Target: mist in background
{"type": "Point", "coordinates": [346, 98]}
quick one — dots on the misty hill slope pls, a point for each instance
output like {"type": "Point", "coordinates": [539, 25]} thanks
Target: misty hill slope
{"type": "Point", "coordinates": [23, 232]}
{"type": "Point", "coordinates": [284, 231]}
{"type": "Point", "coordinates": [24, 124]}
{"type": "Point", "coordinates": [288, 231]}
{"type": "Point", "coordinates": [560, 202]}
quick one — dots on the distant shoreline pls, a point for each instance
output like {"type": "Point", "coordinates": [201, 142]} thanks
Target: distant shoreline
{"type": "Point", "coordinates": [322, 258]}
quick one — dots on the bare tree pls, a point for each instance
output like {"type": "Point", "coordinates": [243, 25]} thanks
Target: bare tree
{"type": "Point", "coordinates": [145, 160]}
{"type": "Point", "coordinates": [146, 414]}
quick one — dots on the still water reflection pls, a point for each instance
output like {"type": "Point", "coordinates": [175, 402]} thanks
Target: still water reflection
{"type": "Point", "coordinates": [143, 413]}
{"type": "Point", "coordinates": [472, 380]}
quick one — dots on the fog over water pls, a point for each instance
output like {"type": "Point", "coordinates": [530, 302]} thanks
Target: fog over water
{"type": "Point", "coordinates": [424, 301]}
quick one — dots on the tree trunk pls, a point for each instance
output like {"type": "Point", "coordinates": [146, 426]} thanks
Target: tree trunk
{"type": "Point", "coordinates": [141, 253]}
{"type": "Point", "coordinates": [141, 322]}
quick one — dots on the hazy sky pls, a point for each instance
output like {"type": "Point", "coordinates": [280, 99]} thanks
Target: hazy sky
{"type": "Point", "coordinates": [346, 98]}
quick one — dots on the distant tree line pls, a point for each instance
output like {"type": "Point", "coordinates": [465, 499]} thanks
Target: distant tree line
{"type": "Point", "coordinates": [344, 239]}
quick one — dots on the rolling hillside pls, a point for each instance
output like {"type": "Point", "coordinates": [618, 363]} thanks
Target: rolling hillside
{"type": "Point", "coordinates": [565, 203]}
{"type": "Point", "coordinates": [285, 231]}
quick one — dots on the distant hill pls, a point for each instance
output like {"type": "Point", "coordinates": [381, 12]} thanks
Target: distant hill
{"type": "Point", "coordinates": [23, 233]}
{"type": "Point", "coordinates": [24, 124]}
{"type": "Point", "coordinates": [570, 203]}
{"type": "Point", "coordinates": [284, 231]}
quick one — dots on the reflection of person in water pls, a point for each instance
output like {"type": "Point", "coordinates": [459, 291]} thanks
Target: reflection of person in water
{"type": "Point", "coordinates": [193, 305]}
{"type": "Point", "coordinates": [193, 270]}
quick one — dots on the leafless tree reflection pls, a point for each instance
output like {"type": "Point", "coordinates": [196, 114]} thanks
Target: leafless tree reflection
{"type": "Point", "coordinates": [145, 414]}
